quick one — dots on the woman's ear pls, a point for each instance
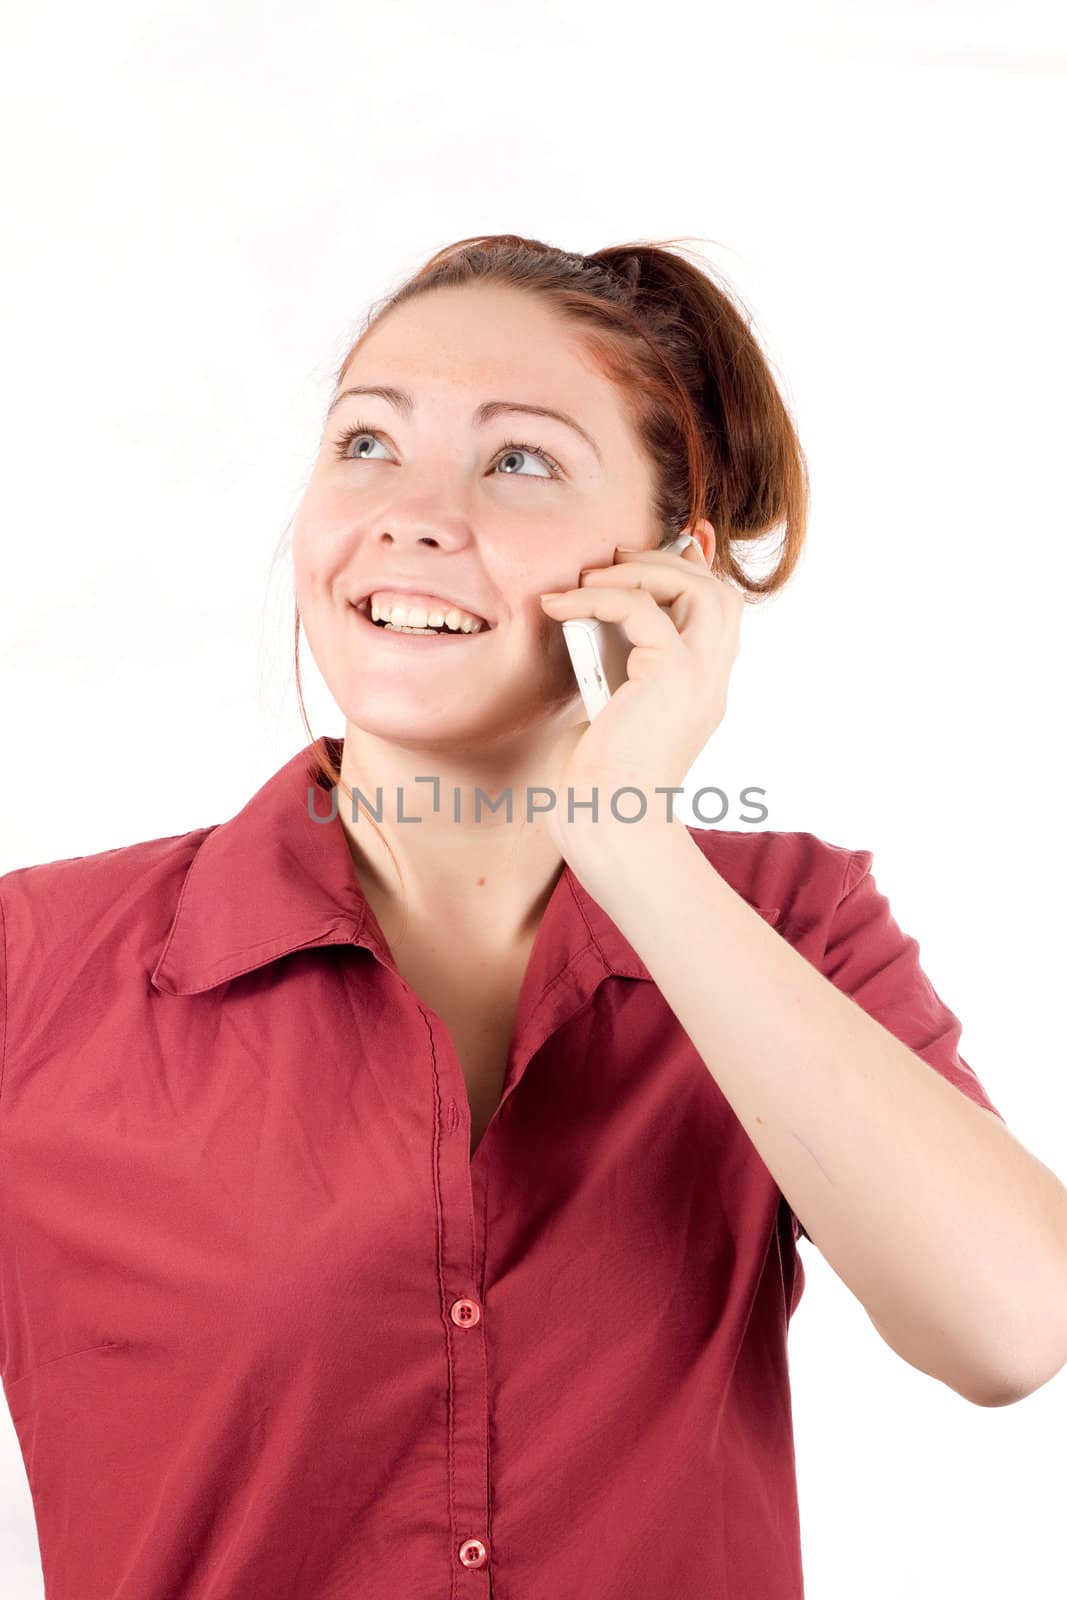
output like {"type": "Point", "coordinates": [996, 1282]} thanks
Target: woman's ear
{"type": "Point", "coordinates": [703, 546]}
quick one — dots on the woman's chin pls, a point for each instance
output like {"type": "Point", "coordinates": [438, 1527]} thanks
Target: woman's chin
{"type": "Point", "coordinates": [399, 714]}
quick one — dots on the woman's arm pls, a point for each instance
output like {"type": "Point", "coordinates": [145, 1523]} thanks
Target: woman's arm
{"type": "Point", "coordinates": [951, 1234]}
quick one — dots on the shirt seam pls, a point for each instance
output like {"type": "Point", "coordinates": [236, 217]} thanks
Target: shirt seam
{"type": "Point", "coordinates": [855, 860]}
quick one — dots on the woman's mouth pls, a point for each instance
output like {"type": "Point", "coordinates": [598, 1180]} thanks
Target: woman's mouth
{"type": "Point", "coordinates": [448, 622]}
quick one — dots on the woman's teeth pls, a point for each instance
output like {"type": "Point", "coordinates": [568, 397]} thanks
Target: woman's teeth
{"type": "Point", "coordinates": [401, 618]}
{"type": "Point", "coordinates": [400, 627]}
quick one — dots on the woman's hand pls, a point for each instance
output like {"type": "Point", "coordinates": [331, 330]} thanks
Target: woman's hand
{"type": "Point", "coordinates": [655, 725]}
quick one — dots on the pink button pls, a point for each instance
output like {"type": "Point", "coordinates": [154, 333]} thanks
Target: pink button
{"type": "Point", "coordinates": [464, 1313]}
{"type": "Point", "coordinates": [473, 1553]}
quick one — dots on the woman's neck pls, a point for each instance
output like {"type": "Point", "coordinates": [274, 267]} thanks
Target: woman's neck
{"type": "Point", "coordinates": [468, 863]}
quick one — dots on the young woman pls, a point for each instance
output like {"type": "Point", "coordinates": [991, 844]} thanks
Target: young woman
{"type": "Point", "coordinates": [401, 1198]}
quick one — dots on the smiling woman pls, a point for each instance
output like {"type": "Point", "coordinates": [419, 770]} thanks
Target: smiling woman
{"type": "Point", "coordinates": [384, 1203]}
{"type": "Point", "coordinates": [649, 408]}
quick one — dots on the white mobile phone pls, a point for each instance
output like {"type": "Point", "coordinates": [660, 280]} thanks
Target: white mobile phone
{"type": "Point", "coordinates": [598, 650]}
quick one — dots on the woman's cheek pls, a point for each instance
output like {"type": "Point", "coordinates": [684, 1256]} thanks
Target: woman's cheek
{"type": "Point", "coordinates": [311, 570]}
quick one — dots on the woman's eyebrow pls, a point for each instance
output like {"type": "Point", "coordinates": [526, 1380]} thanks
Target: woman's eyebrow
{"type": "Point", "coordinates": [486, 412]}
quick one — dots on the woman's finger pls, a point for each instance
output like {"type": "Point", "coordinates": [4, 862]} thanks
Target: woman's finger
{"type": "Point", "coordinates": [633, 607]}
{"type": "Point", "coordinates": [699, 603]}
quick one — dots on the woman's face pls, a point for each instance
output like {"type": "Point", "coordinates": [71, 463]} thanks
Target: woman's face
{"type": "Point", "coordinates": [440, 502]}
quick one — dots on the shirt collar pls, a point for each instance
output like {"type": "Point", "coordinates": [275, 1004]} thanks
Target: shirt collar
{"type": "Point", "coordinates": [272, 880]}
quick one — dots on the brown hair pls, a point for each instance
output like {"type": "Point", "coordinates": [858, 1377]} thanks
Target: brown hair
{"type": "Point", "coordinates": [696, 386]}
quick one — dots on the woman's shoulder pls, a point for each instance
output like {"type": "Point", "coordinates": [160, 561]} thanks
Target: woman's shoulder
{"type": "Point", "coordinates": [791, 872]}
{"type": "Point", "coordinates": [77, 936]}
{"type": "Point", "coordinates": [62, 900]}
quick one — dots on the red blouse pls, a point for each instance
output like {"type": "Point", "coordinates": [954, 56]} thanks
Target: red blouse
{"type": "Point", "coordinates": [268, 1332]}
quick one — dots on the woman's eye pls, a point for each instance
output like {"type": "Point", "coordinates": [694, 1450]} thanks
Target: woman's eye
{"type": "Point", "coordinates": [524, 450]}
{"type": "Point", "coordinates": [511, 448]}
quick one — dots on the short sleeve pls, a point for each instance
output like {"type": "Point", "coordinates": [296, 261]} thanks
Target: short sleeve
{"type": "Point", "coordinates": [870, 958]}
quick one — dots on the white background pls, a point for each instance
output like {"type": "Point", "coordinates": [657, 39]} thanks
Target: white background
{"type": "Point", "coordinates": [203, 199]}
